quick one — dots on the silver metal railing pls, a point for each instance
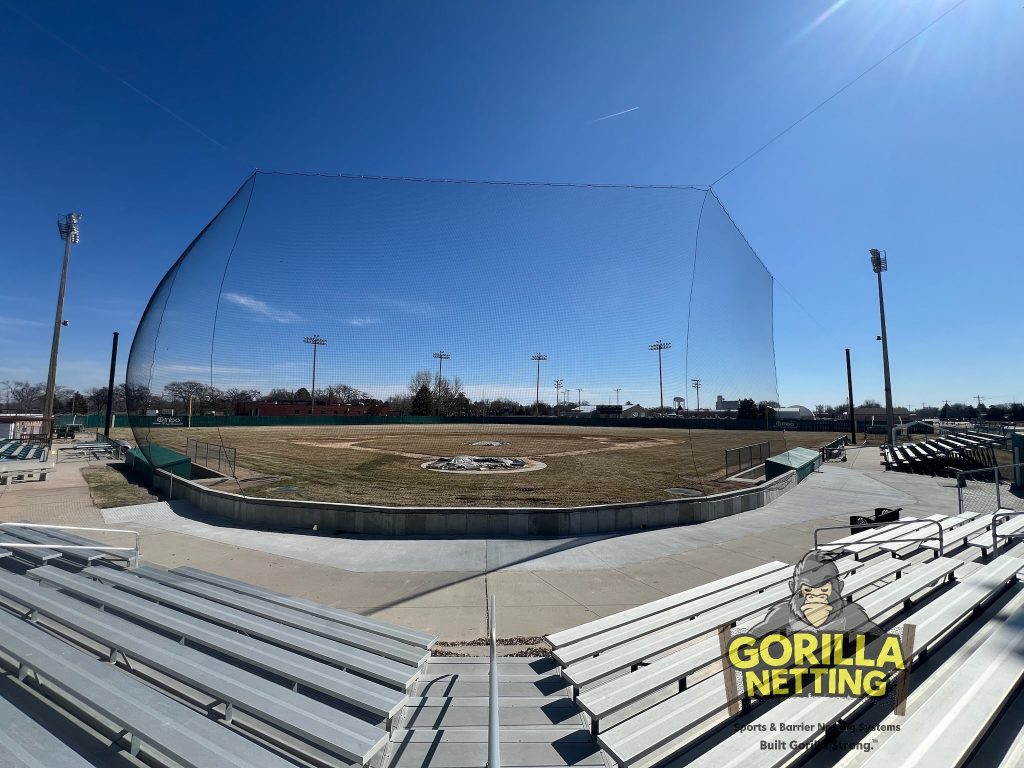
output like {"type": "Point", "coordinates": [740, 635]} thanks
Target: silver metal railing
{"type": "Point", "coordinates": [133, 560]}
{"type": "Point", "coordinates": [493, 729]}
{"type": "Point", "coordinates": [917, 539]}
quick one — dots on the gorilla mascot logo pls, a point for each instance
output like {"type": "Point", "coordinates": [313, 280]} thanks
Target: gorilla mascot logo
{"type": "Point", "coordinates": [816, 604]}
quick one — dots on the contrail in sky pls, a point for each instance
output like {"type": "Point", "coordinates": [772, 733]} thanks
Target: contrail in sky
{"type": "Point", "coordinates": [615, 114]}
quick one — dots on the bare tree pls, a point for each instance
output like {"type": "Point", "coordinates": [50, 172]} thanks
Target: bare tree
{"type": "Point", "coordinates": [27, 397]}
{"type": "Point", "coordinates": [183, 391]}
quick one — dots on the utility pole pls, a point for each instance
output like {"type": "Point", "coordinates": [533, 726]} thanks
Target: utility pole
{"type": "Point", "coordinates": [559, 383]}
{"type": "Point", "coordinates": [67, 228]}
{"type": "Point", "coordinates": [440, 357]}
{"type": "Point", "coordinates": [579, 391]}
{"type": "Point", "coordinates": [849, 386]}
{"type": "Point", "coordinates": [879, 263]}
{"type": "Point", "coordinates": [979, 398]}
{"type": "Point", "coordinates": [617, 390]}
{"type": "Point", "coordinates": [696, 385]}
{"type": "Point", "coordinates": [660, 345]}
{"type": "Point", "coordinates": [316, 341]}
{"type": "Point", "coordinates": [538, 357]}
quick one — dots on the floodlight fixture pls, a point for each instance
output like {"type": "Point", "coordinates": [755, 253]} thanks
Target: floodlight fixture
{"type": "Point", "coordinates": [879, 262]}
{"type": "Point", "coordinates": [316, 341]}
{"type": "Point", "coordinates": [67, 227]}
{"type": "Point", "coordinates": [659, 345]}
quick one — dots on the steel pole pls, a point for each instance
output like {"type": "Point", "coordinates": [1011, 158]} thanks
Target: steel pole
{"type": "Point", "coordinates": [537, 402]}
{"type": "Point", "coordinates": [849, 386]}
{"type": "Point", "coordinates": [312, 393]}
{"type": "Point", "coordinates": [51, 378]}
{"type": "Point", "coordinates": [110, 387]}
{"type": "Point", "coordinates": [661, 389]}
{"type": "Point", "coordinates": [890, 419]}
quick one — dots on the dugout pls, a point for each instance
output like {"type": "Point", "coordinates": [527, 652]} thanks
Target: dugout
{"type": "Point", "coordinates": [161, 458]}
{"type": "Point", "coordinates": [803, 460]}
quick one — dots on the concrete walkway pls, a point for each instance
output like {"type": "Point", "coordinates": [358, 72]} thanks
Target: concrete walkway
{"type": "Point", "coordinates": [541, 585]}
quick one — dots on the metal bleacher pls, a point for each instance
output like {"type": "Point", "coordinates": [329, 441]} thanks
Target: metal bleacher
{"type": "Point", "coordinates": [940, 456]}
{"type": "Point", "coordinates": [145, 665]}
{"type": "Point", "coordinates": [650, 678]}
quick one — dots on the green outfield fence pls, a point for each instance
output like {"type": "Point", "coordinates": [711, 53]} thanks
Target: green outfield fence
{"type": "Point", "coordinates": [820, 425]}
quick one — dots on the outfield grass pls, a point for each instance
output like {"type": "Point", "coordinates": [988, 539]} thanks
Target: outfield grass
{"type": "Point", "coordinates": [381, 464]}
{"type": "Point", "coordinates": [110, 485]}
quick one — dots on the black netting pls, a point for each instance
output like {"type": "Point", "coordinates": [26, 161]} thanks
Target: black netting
{"type": "Point", "coordinates": [390, 272]}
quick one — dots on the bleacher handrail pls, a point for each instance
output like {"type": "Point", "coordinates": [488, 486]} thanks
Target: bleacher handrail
{"type": "Point", "coordinates": [493, 728]}
{"type": "Point", "coordinates": [1004, 513]}
{"type": "Point", "coordinates": [880, 525]}
{"type": "Point", "coordinates": [133, 561]}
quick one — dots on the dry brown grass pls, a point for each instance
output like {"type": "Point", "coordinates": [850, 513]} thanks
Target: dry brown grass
{"type": "Point", "coordinates": [381, 464]}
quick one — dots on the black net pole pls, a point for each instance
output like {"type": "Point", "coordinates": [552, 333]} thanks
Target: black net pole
{"type": "Point", "coordinates": [110, 388]}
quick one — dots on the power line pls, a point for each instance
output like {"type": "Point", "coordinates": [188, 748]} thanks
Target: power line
{"type": "Point", "coordinates": [845, 87]}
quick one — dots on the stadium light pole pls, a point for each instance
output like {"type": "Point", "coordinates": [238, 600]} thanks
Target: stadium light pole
{"type": "Point", "coordinates": [538, 357]}
{"type": "Point", "coordinates": [660, 345]}
{"type": "Point", "coordinates": [880, 264]}
{"type": "Point", "coordinates": [440, 357]}
{"type": "Point", "coordinates": [67, 228]}
{"type": "Point", "coordinates": [579, 392]}
{"type": "Point", "coordinates": [558, 396]}
{"type": "Point", "coordinates": [316, 341]}
{"type": "Point", "coordinates": [617, 390]}
{"type": "Point", "coordinates": [696, 385]}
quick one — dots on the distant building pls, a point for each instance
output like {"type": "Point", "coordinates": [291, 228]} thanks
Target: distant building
{"type": "Point", "coordinates": [721, 404]}
{"type": "Point", "coordinates": [794, 413]}
{"type": "Point", "coordinates": [634, 412]}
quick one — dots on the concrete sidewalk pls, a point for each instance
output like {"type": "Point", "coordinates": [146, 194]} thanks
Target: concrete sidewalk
{"type": "Point", "coordinates": [441, 585]}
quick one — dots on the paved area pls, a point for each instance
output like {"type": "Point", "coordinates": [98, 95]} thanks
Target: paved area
{"type": "Point", "coordinates": [441, 585]}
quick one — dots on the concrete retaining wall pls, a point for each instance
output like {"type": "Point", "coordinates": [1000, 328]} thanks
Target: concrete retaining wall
{"type": "Point", "coordinates": [468, 521]}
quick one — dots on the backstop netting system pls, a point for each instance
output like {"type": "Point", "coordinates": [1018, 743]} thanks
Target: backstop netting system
{"type": "Point", "coordinates": [556, 331]}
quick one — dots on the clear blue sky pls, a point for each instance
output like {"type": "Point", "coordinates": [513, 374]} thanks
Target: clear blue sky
{"type": "Point", "coordinates": [161, 113]}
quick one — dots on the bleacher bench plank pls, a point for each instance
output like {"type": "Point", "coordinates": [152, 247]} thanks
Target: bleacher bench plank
{"type": "Point", "coordinates": [357, 638]}
{"type": "Point", "coordinates": [36, 536]}
{"type": "Point", "coordinates": [657, 726]}
{"type": "Point", "coordinates": [632, 653]}
{"type": "Point", "coordinates": [946, 727]}
{"type": "Point", "coordinates": [904, 548]}
{"type": "Point", "coordinates": [396, 631]}
{"type": "Point", "coordinates": [933, 622]}
{"type": "Point", "coordinates": [172, 728]}
{"type": "Point", "coordinates": [33, 555]}
{"type": "Point", "coordinates": [1005, 528]}
{"type": "Point", "coordinates": [306, 718]}
{"type": "Point", "coordinates": [331, 651]}
{"type": "Point", "coordinates": [27, 744]}
{"type": "Point", "coordinates": [331, 681]}
{"type": "Point", "coordinates": [763, 575]}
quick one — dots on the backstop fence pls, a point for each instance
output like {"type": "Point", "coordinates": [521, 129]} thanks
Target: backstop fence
{"type": "Point", "coordinates": [746, 456]}
{"type": "Point", "coordinates": [983, 491]}
{"type": "Point", "coordinates": [211, 455]}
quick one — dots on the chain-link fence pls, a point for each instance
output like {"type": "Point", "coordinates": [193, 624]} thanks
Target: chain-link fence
{"type": "Point", "coordinates": [834, 450]}
{"type": "Point", "coordinates": [211, 455]}
{"type": "Point", "coordinates": [746, 456]}
{"type": "Point", "coordinates": [986, 490]}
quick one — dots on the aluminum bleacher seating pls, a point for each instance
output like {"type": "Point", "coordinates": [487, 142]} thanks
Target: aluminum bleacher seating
{"type": "Point", "coordinates": [331, 651]}
{"type": "Point", "coordinates": [809, 718]}
{"type": "Point", "coordinates": [147, 719]}
{"type": "Point", "coordinates": [374, 698]}
{"type": "Point", "coordinates": [389, 648]}
{"type": "Point", "coordinates": [358, 621]}
{"type": "Point", "coordinates": [297, 715]}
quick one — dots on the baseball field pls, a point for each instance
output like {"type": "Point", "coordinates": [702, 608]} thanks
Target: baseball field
{"type": "Point", "coordinates": [382, 464]}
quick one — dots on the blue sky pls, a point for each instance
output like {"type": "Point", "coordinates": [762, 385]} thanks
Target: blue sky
{"type": "Point", "coordinates": [155, 119]}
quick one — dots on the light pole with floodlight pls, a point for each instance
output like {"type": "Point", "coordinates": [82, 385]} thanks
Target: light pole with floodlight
{"type": "Point", "coordinates": [660, 345]}
{"type": "Point", "coordinates": [538, 357]}
{"type": "Point", "coordinates": [67, 228]}
{"type": "Point", "coordinates": [316, 341]}
{"type": "Point", "coordinates": [880, 264]}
